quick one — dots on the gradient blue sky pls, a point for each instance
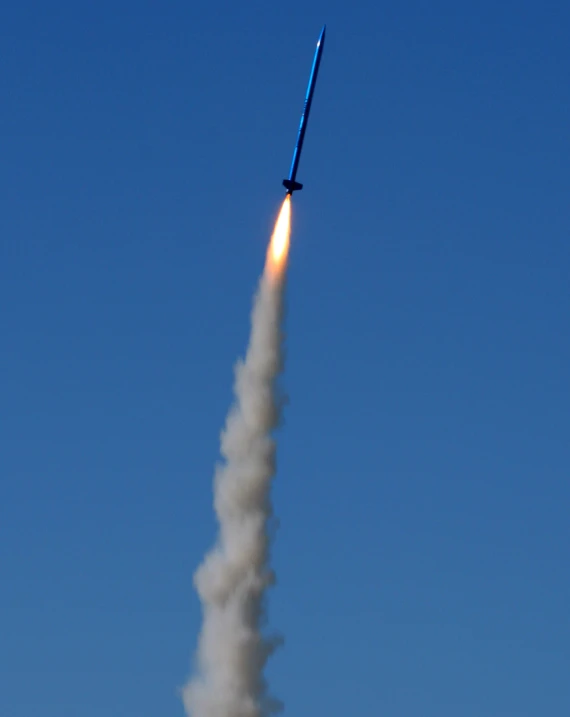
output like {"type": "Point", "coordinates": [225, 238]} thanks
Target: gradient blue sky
{"type": "Point", "coordinates": [423, 488]}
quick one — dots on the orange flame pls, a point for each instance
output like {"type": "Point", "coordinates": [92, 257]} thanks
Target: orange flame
{"type": "Point", "coordinates": [279, 244]}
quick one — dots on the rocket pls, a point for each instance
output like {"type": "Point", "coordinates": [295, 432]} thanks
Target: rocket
{"type": "Point", "coordinates": [290, 183]}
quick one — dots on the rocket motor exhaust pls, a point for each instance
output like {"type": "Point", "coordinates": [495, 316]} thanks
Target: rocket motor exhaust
{"type": "Point", "coordinates": [235, 575]}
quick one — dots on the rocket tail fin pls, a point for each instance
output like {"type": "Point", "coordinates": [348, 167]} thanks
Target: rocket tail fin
{"type": "Point", "coordinates": [292, 186]}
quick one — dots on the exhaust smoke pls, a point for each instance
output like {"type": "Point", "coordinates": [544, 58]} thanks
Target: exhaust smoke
{"type": "Point", "coordinates": [235, 575]}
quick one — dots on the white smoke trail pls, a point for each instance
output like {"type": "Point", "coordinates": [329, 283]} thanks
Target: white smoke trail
{"type": "Point", "coordinates": [234, 577]}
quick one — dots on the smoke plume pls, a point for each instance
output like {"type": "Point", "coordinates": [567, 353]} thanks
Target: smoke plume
{"type": "Point", "coordinates": [234, 577]}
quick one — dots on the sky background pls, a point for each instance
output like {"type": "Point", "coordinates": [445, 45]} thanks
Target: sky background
{"type": "Point", "coordinates": [422, 488]}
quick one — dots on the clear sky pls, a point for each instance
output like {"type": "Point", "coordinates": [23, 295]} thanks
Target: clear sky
{"type": "Point", "coordinates": [423, 490]}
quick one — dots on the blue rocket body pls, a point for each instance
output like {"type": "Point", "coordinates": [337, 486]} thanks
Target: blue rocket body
{"type": "Point", "coordinates": [291, 183]}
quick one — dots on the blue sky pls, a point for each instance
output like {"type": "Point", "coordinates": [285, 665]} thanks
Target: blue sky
{"type": "Point", "coordinates": [422, 554]}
